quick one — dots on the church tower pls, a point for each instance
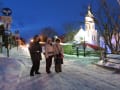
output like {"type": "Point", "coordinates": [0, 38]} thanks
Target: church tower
{"type": "Point", "coordinates": [90, 31]}
{"type": "Point", "coordinates": [89, 22]}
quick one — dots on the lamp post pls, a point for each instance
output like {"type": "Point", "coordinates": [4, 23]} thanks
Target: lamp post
{"type": "Point", "coordinates": [77, 51]}
{"type": "Point", "coordinates": [84, 46]}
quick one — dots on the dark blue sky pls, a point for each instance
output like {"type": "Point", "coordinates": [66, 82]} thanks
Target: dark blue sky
{"type": "Point", "coordinates": [29, 16]}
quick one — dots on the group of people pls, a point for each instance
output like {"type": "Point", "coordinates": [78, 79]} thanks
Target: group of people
{"type": "Point", "coordinates": [51, 51]}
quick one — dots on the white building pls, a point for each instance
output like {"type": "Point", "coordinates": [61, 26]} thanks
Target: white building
{"type": "Point", "coordinates": [88, 35]}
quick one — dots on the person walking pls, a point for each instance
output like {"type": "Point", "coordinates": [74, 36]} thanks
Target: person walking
{"type": "Point", "coordinates": [58, 53]}
{"type": "Point", "coordinates": [35, 50]}
{"type": "Point", "coordinates": [49, 53]}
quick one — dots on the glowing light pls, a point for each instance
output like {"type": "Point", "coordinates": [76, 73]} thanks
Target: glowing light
{"type": "Point", "coordinates": [42, 42]}
{"type": "Point", "coordinates": [31, 40]}
{"type": "Point", "coordinates": [55, 37]}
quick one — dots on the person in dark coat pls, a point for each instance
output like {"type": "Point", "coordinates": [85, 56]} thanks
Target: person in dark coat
{"type": "Point", "coordinates": [35, 50]}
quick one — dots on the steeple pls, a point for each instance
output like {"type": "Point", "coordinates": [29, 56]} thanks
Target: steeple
{"type": "Point", "coordinates": [89, 13]}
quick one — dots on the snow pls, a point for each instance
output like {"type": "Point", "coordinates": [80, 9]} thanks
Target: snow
{"type": "Point", "coordinates": [111, 61]}
{"type": "Point", "coordinates": [9, 73]}
{"type": "Point", "coordinates": [78, 74]}
{"type": "Point", "coordinates": [115, 56]}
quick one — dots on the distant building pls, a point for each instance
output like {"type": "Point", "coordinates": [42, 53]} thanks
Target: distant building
{"type": "Point", "coordinates": [89, 35]}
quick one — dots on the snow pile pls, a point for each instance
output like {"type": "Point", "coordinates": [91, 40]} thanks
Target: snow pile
{"type": "Point", "coordinates": [18, 52]}
{"type": "Point", "coordinates": [114, 56]}
{"type": "Point", "coordinates": [10, 72]}
{"type": "Point", "coordinates": [21, 53]}
{"type": "Point", "coordinates": [2, 55]}
{"type": "Point", "coordinates": [112, 61]}
{"type": "Point", "coordinates": [82, 60]}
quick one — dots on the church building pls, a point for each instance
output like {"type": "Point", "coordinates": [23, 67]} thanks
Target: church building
{"type": "Point", "coordinates": [89, 35]}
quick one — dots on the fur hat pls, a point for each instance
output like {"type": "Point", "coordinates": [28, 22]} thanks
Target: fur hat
{"type": "Point", "coordinates": [57, 40]}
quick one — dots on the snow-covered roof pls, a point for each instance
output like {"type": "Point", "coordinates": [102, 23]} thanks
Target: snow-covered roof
{"type": "Point", "coordinates": [80, 35]}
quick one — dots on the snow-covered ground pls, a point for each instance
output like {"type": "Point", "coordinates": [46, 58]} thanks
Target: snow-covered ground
{"type": "Point", "coordinates": [111, 61]}
{"type": "Point", "coordinates": [78, 74]}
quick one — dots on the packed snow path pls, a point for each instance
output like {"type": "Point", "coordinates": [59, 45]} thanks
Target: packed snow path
{"type": "Point", "coordinates": [73, 77]}
{"type": "Point", "coordinates": [78, 74]}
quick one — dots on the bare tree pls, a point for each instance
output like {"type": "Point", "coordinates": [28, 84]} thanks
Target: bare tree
{"type": "Point", "coordinates": [71, 29]}
{"type": "Point", "coordinates": [118, 2]}
{"type": "Point", "coordinates": [108, 20]}
{"type": "Point", "coordinates": [48, 32]}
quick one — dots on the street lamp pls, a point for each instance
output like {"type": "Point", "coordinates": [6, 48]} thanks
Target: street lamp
{"type": "Point", "coordinates": [31, 40]}
{"type": "Point", "coordinates": [84, 46]}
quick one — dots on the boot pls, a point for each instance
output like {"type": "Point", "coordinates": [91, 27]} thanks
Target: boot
{"type": "Point", "coordinates": [57, 68]}
{"type": "Point", "coordinates": [31, 74]}
{"type": "Point", "coordinates": [37, 73]}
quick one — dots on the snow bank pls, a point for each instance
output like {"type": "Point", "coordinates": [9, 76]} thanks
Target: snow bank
{"type": "Point", "coordinates": [2, 55]}
{"type": "Point", "coordinates": [112, 61]}
{"type": "Point", "coordinates": [115, 56]}
{"type": "Point", "coordinates": [18, 52]}
{"type": "Point", "coordinates": [21, 53]}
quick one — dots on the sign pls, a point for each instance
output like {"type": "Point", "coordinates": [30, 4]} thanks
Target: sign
{"type": "Point", "coordinates": [6, 11]}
